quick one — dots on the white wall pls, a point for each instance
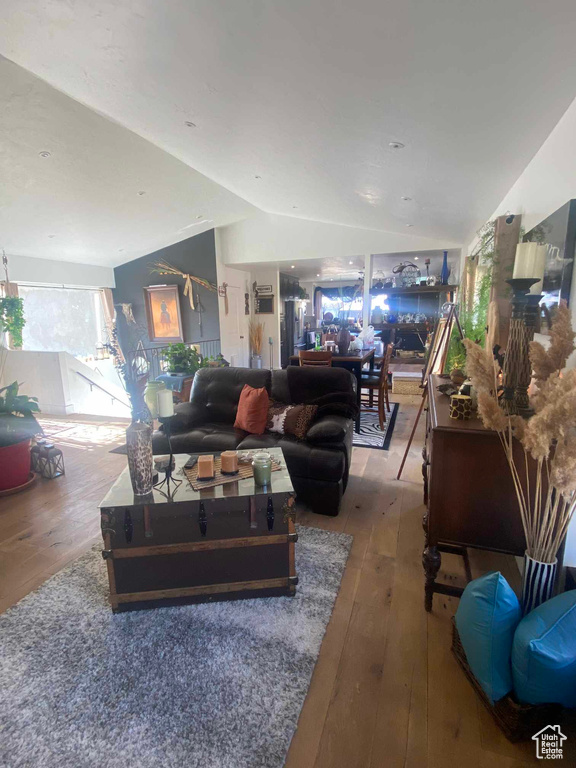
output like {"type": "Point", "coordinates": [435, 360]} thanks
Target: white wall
{"type": "Point", "coordinates": [546, 184]}
{"type": "Point", "coordinates": [27, 269]}
{"type": "Point", "coordinates": [269, 276]}
{"type": "Point", "coordinates": [270, 237]}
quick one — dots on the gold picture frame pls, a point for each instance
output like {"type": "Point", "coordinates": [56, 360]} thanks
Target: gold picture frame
{"type": "Point", "coordinates": [163, 313]}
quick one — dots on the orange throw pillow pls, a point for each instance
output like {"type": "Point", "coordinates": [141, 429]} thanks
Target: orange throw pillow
{"type": "Point", "coordinates": [252, 412]}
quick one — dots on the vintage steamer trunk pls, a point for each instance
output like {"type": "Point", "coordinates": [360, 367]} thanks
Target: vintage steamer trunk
{"type": "Point", "coordinates": [227, 542]}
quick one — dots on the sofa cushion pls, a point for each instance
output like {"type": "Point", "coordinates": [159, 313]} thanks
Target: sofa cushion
{"type": "Point", "coordinates": [202, 439]}
{"type": "Point", "coordinates": [218, 390]}
{"type": "Point", "coordinates": [290, 419]}
{"type": "Point", "coordinates": [252, 412]}
{"type": "Point", "coordinates": [302, 459]}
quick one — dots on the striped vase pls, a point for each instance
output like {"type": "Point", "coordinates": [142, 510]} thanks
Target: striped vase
{"type": "Point", "coordinates": [537, 583]}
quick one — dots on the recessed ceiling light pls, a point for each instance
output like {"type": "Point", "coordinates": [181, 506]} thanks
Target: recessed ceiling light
{"type": "Point", "coordinates": [396, 145]}
{"type": "Point", "coordinates": [415, 258]}
{"type": "Point", "coordinates": [141, 192]}
{"type": "Point", "coordinates": [45, 153]}
{"type": "Point", "coordinates": [318, 275]}
{"type": "Point", "coordinates": [331, 278]}
{"type": "Point", "coordinates": [409, 225]}
{"type": "Point", "coordinates": [189, 124]}
{"type": "Point", "coordinates": [350, 262]}
{"type": "Point", "coordinates": [292, 266]}
{"type": "Point", "coordinates": [406, 199]}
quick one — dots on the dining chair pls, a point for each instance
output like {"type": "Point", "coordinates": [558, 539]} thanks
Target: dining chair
{"type": "Point", "coordinates": [378, 382]}
{"type": "Point", "coordinates": [311, 357]}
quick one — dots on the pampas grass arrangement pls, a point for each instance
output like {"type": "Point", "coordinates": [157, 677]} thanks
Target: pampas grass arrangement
{"type": "Point", "coordinates": [549, 436]}
{"type": "Point", "coordinates": [256, 334]}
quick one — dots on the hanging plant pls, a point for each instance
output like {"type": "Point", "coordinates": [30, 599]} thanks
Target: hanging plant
{"type": "Point", "coordinates": [12, 318]}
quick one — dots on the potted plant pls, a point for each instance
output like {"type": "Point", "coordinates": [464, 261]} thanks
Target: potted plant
{"type": "Point", "coordinates": [548, 439]}
{"type": "Point", "coordinates": [12, 318]}
{"type": "Point", "coordinates": [17, 426]}
{"type": "Point", "coordinates": [256, 333]}
{"type": "Point", "coordinates": [183, 359]}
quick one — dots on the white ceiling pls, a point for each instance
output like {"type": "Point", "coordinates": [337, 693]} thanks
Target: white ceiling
{"type": "Point", "coordinates": [82, 203]}
{"type": "Point", "coordinates": [306, 96]}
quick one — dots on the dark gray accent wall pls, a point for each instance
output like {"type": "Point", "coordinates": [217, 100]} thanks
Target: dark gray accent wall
{"type": "Point", "coordinates": [195, 256]}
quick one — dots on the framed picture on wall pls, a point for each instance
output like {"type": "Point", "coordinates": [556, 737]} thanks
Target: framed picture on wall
{"type": "Point", "coordinates": [264, 305]}
{"type": "Point", "coordinates": [163, 313]}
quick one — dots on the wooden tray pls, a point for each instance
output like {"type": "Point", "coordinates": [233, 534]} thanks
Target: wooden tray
{"type": "Point", "coordinates": [244, 470]}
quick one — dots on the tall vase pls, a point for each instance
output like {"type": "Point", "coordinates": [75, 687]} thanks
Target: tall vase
{"type": "Point", "coordinates": [445, 272]}
{"type": "Point", "coordinates": [537, 583]}
{"type": "Point", "coordinates": [140, 462]}
{"type": "Point", "coordinates": [343, 340]}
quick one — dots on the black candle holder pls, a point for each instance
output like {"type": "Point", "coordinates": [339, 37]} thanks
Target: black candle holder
{"type": "Point", "coordinates": [517, 370]}
{"type": "Point", "coordinates": [164, 486]}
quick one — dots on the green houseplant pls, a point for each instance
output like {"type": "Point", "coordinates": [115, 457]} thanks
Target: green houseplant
{"type": "Point", "coordinates": [183, 359]}
{"type": "Point", "coordinates": [17, 425]}
{"type": "Point", "coordinates": [12, 318]}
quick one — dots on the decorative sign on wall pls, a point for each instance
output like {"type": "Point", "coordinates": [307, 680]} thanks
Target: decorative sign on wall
{"type": "Point", "coordinates": [223, 293]}
{"type": "Point", "coordinates": [264, 305]}
{"type": "Point", "coordinates": [263, 290]}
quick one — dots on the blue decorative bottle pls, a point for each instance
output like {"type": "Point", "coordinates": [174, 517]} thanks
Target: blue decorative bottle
{"type": "Point", "coordinates": [445, 273]}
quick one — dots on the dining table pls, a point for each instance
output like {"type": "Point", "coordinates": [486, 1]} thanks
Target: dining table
{"type": "Point", "coordinates": [353, 362]}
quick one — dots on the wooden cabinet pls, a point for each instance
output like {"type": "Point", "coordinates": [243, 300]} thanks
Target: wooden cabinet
{"type": "Point", "coordinates": [468, 491]}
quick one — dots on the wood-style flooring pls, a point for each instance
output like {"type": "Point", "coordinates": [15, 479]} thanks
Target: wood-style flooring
{"type": "Point", "coordinates": [386, 691]}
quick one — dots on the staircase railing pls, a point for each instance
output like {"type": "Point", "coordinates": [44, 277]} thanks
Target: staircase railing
{"type": "Point", "coordinates": [155, 357]}
{"type": "Point", "coordinates": [93, 383]}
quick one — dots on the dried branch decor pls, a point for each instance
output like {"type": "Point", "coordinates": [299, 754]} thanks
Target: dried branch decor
{"type": "Point", "coordinates": [256, 333]}
{"type": "Point", "coordinates": [163, 268]}
{"type": "Point", "coordinates": [549, 436]}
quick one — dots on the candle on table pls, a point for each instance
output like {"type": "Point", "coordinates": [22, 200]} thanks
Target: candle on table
{"type": "Point", "coordinates": [165, 404]}
{"type": "Point", "coordinates": [229, 462]}
{"type": "Point", "coordinates": [205, 467]}
{"type": "Point", "coordinates": [530, 261]}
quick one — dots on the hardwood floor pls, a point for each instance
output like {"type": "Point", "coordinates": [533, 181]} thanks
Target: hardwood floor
{"type": "Point", "coordinates": [386, 691]}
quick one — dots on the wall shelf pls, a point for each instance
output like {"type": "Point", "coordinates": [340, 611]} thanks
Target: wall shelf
{"type": "Point", "coordinates": [418, 289]}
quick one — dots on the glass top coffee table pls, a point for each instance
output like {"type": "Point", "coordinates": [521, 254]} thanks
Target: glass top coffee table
{"type": "Point", "coordinates": [227, 542]}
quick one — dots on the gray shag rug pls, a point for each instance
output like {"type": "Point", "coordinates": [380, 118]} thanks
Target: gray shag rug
{"type": "Point", "coordinates": [217, 685]}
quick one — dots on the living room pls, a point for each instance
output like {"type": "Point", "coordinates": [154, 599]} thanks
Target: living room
{"type": "Point", "coordinates": [287, 428]}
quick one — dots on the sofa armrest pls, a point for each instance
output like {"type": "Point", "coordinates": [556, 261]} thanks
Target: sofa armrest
{"type": "Point", "coordinates": [186, 417]}
{"type": "Point", "coordinates": [329, 429]}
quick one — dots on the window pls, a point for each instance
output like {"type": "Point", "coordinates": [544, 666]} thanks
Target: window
{"type": "Point", "coordinates": [62, 320]}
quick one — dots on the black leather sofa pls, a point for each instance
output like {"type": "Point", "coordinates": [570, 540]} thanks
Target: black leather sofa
{"type": "Point", "coordinates": [318, 465]}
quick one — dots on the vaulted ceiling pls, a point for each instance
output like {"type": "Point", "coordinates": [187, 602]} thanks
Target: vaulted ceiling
{"type": "Point", "coordinates": [291, 107]}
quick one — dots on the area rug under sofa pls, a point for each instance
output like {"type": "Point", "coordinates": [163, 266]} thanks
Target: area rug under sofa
{"type": "Point", "coordinates": [218, 685]}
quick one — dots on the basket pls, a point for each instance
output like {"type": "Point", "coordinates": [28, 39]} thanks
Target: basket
{"type": "Point", "coordinates": [519, 722]}
{"type": "Point", "coordinates": [404, 383]}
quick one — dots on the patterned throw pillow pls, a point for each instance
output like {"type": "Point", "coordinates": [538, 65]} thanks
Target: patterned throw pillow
{"type": "Point", "coordinates": [290, 419]}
